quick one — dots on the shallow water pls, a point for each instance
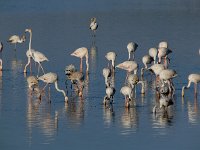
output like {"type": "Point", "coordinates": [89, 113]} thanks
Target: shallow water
{"type": "Point", "coordinates": [61, 27]}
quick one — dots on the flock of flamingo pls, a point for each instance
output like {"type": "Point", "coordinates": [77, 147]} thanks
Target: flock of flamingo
{"type": "Point", "coordinates": [157, 59]}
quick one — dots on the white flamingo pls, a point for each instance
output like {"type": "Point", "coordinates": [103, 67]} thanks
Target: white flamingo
{"type": "Point", "coordinates": [131, 49]}
{"type": "Point", "coordinates": [127, 92]}
{"type": "Point", "coordinates": [195, 78]}
{"type": "Point", "coordinates": [106, 74]}
{"type": "Point", "coordinates": [50, 78]}
{"type": "Point", "coordinates": [32, 82]}
{"type": "Point", "coordinates": [82, 52]}
{"type": "Point", "coordinates": [156, 68]}
{"type": "Point", "coordinates": [14, 39]}
{"type": "Point", "coordinates": [128, 66]}
{"type": "Point", "coordinates": [166, 75]}
{"type": "Point", "coordinates": [133, 80]}
{"type": "Point", "coordinates": [111, 56]}
{"type": "Point", "coordinates": [153, 53]}
{"type": "Point", "coordinates": [163, 53]}
{"type": "Point", "coordinates": [93, 25]}
{"type": "Point", "coordinates": [36, 55]}
{"type": "Point", "coordinates": [146, 60]}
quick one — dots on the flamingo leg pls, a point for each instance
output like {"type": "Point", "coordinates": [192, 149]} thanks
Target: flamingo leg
{"type": "Point", "coordinates": [30, 67]}
{"type": "Point", "coordinates": [38, 70]}
{"type": "Point", "coordinates": [49, 93]}
{"type": "Point", "coordinates": [42, 68]}
{"type": "Point", "coordinates": [195, 89]}
{"type": "Point", "coordinates": [81, 65]}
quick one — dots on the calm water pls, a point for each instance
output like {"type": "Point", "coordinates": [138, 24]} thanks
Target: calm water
{"type": "Point", "coordinates": [61, 27]}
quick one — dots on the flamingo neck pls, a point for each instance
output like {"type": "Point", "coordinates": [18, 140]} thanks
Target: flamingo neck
{"type": "Point", "coordinates": [59, 90]}
{"type": "Point", "coordinates": [87, 62]}
{"type": "Point", "coordinates": [183, 89]}
{"type": "Point", "coordinates": [143, 87]}
{"type": "Point", "coordinates": [29, 60]}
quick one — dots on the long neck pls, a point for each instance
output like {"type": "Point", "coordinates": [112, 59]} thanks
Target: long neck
{"type": "Point", "coordinates": [143, 87]}
{"type": "Point", "coordinates": [29, 60]}
{"type": "Point", "coordinates": [59, 90]}
{"type": "Point", "coordinates": [87, 62]}
{"type": "Point", "coordinates": [30, 41]}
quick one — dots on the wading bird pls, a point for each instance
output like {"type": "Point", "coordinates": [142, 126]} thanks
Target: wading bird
{"type": "Point", "coordinates": [50, 78]}
{"type": "Point", "coordinates": [127, 92]}
{"type": "Point", "coordinates": [36, 55]}
{"type": "Point", "coordinates": [111, 56]}
{"type": "Point", "coordinates": [14, 39]}
{"type": "Point", "coordinates": [82, 52]}
{"type": "Point", "coordinates": [195, 78]}
{"type": "Point", "coordinates": [153, 53]}
{"type": "Point", "coordinates": [131, 49]}
{"type": "Point", "coordinates": [128, 66]}
{"type": "Point", "coordinates": [146, 60]}
{"type": "Point", "coordinates": [93, 25]}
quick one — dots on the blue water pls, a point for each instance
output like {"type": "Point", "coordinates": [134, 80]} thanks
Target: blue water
{"type": "Point", "coordinates": [60, 27]}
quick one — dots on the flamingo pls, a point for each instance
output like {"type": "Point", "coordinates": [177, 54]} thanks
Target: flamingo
{"type": "Point", "coordinates": [1, 47]}
{"type": "Point", "coordinates": [32, 82]}
{"type": "Point", "coordinates": [163, 44]}
{"type": "Point", "coordinates": [131, 49]}
{"type": "Point", "coordinates": [110, 91]}
{"type": "Point", "coordinates": [153, 53]}
{"type": "Point", "coordinates": [111, 56]}
{"type": "Point", "coordinates": [156, 68]}
{"type": "Point", "coordinates": [163, 52]}
{"type": "Point", "coordinates": [82, 52]}
{"type": "Point", "coordinates": [133, 80]}
{"type": "Point", "coordinates": [106, 74]}
{"type": "Point", "coordinates": [36, 55]}
{"type": "Point", "coordinates": [93, 25]}
{"type": "Point", "coordinates": [127, 92]}
{"type": "Point", "coordinates": [146, 60]}
{"type": "Point", "coordinates": [166, 75]}
{"type": "Point", "coordinates": [195, 78]}
{"type": "Point", "coordinates": [14, 39]}
{"type": "Point", "coordinates": [50, 78]}
{"type": "Point", "coordinates": [128, 66]}
{"type": "Point", "coordinates": [76, 78]}
{"type": "Point", "coordinates": [69, 69]}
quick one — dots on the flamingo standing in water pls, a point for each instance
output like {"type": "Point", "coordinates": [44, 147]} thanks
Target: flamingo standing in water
{"type": "Point", "coordinates": [111, 56]}
{"type": "Point", "coordinates": [127, 92]}
{"type": "Point", "coordinates": [93, 25]}
{"type": "Point", "coordinates": [14, 39]}
{"type": "Point", "coordinates": [82, 52]}
{"type": "Point", "coordinates": [50, 78]}
{"type": "Point", "coordinates": [195, 78]}
{"type": "Point", "coordinates": [32, 82]}
{"type": "Point", "coordinates": [163, 53]}
{"type": "Point", "coordinates": [106, 74]}
{"type": "Point", "coordinates": [146, 60]}
{"type": "Point", "coordinates": [128, 66]}
{"type": "Point", "coordinates": [153, 53]}
{"type": "Point", "coordinates": [36, 55]}
{"type": "Point", "coordinates": [131, 49]}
